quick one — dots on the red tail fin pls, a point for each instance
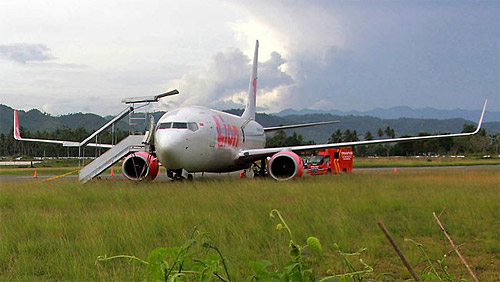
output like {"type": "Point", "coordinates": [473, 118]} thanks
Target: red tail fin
{"type": "Point", "coordinates": [17, 133]}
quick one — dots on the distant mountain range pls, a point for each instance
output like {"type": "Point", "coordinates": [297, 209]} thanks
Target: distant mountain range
{"type": "Point", "coordinates": [34, 120]}
{"type": "Point", "coordinates": [402, 112]}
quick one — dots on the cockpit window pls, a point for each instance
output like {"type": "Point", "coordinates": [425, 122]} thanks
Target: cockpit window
{"type": "Point", "coordinates": [165, 125]}
{"type": "Point", "coordinates": [180, 125]}
{"type": "Point", "coordinates": [192, 126]}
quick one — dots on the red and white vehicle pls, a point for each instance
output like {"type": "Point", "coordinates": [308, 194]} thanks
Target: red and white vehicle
{"type": "Point", "coordinates": [335, 160]}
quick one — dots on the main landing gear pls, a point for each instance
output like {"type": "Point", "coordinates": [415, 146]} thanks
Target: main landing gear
{"type": "Point", "coordinates": [179, 174]}
{"type": "Point", "coordinates": [259, 170]}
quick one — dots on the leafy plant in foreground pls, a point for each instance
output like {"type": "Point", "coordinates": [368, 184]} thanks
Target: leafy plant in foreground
{"type": "Point", "coordinates": [297, 269]}
{"type": "Point", "coordinates": [198, 259]}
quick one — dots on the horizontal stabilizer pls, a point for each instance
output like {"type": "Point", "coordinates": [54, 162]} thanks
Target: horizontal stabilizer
{"type": "Point", "coordinates": [275, 128]}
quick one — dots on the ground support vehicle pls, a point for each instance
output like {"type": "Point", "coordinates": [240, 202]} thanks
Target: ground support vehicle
{"type": "Point", "coordinates": [335, 160]}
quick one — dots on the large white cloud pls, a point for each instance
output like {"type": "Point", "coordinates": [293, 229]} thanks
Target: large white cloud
{"type": "Point", "coordinates": [224, 81]}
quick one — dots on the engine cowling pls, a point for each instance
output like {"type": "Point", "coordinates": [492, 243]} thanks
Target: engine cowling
{"type": "Point", "coordinates": [285, 165]}
{"type": "Point", "coordinates": [140, 166]}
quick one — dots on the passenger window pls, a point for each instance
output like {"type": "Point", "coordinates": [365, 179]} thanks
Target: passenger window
{"type": "Point", "coordinates": [165, 125]}
{"type": "Point", "coordinates": [192, 126]}
{"type": "Point", "coordinates": [336, 155]}
{"type": "Point", "coordinates": [180, 125]}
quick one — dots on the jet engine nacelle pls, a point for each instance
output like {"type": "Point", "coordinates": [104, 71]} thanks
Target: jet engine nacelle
{"type": "Point", "coordinates": [285, 165]}
{"type": "Point", "coordinates": [140, 166]}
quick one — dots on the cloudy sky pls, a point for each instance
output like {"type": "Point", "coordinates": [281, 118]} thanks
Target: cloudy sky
{"type": "Point", "coordinates": [67, 56]}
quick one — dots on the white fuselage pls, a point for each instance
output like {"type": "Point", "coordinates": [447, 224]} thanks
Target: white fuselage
{"type": "Point", "coordinates": [200, 139]}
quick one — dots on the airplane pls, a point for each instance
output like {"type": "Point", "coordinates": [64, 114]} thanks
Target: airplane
{"type": "Point", "coordinates": [199, 139]}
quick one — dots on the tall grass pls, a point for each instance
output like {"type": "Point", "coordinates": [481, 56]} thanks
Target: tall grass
{"type": "Point", "coordinates": [56, 230]}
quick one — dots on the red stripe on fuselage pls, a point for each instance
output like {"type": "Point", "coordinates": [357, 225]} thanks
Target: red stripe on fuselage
{"type": "Point", "coordinates": [237, 132]}
{"type": "Point", "coordinates": [254, 84]}
{"type": "Point", "coordinates": [219, 133]}
{"type": "Point", "coordinates": [226, 132]}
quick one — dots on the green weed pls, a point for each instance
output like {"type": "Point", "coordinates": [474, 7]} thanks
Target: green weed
{"type": "Point", "coordinates": [435, 269]}
{"type": "Point", "coordinates": [192, 261]}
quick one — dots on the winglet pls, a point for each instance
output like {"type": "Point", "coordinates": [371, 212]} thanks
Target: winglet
{"type": "Point", "coordinates": [17, 133]}
{"type": "Point", "coordinates": [481, 118]}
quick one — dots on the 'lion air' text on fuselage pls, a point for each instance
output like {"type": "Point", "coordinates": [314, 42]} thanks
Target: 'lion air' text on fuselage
{"type": "Point", "coordinates": [227, 134]}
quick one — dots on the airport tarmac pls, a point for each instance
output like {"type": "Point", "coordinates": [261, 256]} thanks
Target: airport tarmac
{"type": "Point", "coordinates": [18, 163]}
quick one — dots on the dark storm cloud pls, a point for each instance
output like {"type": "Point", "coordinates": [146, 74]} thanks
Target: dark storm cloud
{"type": "Point", "coordinates": [419, 54]}
{"type": "Point", "coordinates": [437, 54]}
{"type": "Point", "coordinates": [25, 52]}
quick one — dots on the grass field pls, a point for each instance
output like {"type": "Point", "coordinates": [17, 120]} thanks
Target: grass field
{"type": "Point", "coordinates": [55, 230]}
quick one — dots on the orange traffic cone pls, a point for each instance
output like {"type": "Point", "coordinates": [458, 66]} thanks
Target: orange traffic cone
{"type": "Point", "coordinates": [112, 172]}
{"type": "Point", "coordinates": [395, 170]}
{"type": "Point", "coordinates": [35, 175]}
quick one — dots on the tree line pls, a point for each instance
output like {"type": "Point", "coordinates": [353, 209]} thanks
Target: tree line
{"type": "Point", "coordinates": [480, 143]}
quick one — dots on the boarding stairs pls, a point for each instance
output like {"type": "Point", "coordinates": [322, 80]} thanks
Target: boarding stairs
{"type": "Point", "coordinates": [130, 144]}
{"type": "Point", "coordinates": [140, 135]}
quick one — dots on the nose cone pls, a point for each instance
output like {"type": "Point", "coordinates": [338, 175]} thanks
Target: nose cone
{"type": "Point", "coordinates": [170, 146]}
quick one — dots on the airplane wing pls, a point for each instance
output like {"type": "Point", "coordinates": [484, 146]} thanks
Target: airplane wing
{"type": "Point", "coordinates": [17, 136]}
{"type": "Point", "coordinates": [253, 154]}
{"type": "Point", "coordinates": [276, 128]}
